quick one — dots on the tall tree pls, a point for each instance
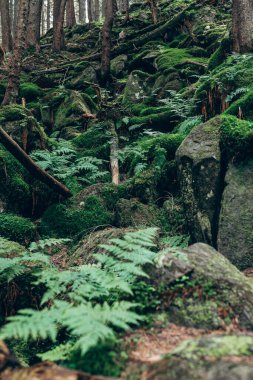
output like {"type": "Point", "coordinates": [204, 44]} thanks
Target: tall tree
{"type": "Point", "coordinates": [70, 14]}
{"type": "Point", "coordinates": [125, 5]}
{"type": "Point", "coordinates": [12, 89]}
{"type": "Point", "coordinates": [106, 41]}
{"type": "Point", "coordinates": [48, 14]}
{"type": "Point", "coordinates": [242, 28]}
{"type": "Point", "coordinates": [154, 10]}
{"type": "Point", "coordinates": [82, 10]}
{"type": "Point", "coordinates": [6, 25]}
{"type": "Point", "coordinates": [58, 22]}
{"type": "Point", "coordinates": [97, 10]}
{"type": "Point", "coordinates": [90, 10]}
{"type": "Point", "coordinates": [34, 23]}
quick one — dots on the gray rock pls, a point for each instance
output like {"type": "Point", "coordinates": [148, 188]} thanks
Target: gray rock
{"type": "Point", "coordinates": [118, 64]}
{"type": "Point", "coordinates": [235, 237]}
{"type": "Point", "coordinates": [199, 165]}
{"type": "Point", "coordinates": [211, 283]}
{"type": "Point", "coordinates": [136, 88]}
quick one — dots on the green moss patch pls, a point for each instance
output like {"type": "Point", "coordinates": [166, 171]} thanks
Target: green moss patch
{"type": "Point", "coordinates": [16, 228]}
{"type": "Point", "coordinates": [65, 221]}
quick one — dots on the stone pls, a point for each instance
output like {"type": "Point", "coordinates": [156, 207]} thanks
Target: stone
{"type": "Point", "coordinates": [199, 166]}
{"type": "Point", "coordinates": [118, 65]}
{"type": "Point", "coordinates": [201, 288]}
{"type": "Point", "coordinates": [135, 89]}
{"type": "Point", "coordinates": [235, 237]}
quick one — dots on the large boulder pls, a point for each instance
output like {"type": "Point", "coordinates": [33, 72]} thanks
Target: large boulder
{"type": "Point", "coordinates": [136, 88]}
{"type": "Point", "coordinates": [199, 165]}
{"type": "Point", "coordinates": [235, 237]}
{"type": "Point", "coordinates": [210, 357]}
{"type": "Point", "coordinates": [201, 288]}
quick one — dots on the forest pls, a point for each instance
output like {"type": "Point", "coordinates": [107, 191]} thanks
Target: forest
{"type": "Point", "coordinates": [126, 189]}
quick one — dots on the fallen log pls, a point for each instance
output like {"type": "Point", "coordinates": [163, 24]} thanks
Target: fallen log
{"type": "Point", "coordinates": [31, 166]}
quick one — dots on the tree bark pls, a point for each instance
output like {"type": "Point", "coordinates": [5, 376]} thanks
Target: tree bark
{"type": "Point", "coordinates": [82, 10]}
{"type": "Point", "coordinates": [126, 9]}
{"type": "Point", "coordinates": [70, 14]}
{"type": "Point", "coordinates": [106, 41]}
{"type": "Point", "coordinates": [242, 26]}
{"type": "Point", "coordinates": [48, 14]}
{"type": "Point", "coordinates": [58, 22]}
{"type": "Point", "coordinates": [154, 10]}
{"type": "Point", "coordinates": [34, 23]}
{"type": "Point", "coordinates": [7, 43]}
{"type": "Point", "coordinates": [11, 93]}
{"type": "Point", "coordinates": [90, 10]}
{"type": "Point", "coordinates": [31, 166]}
{"type": "Point", "coordinates": [114, 151]}
{"type": "Point", "coordinates": [97, 10]}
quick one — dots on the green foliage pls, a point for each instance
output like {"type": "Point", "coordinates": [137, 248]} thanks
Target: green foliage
{"type": "Point", "coordinates": [63, 162]}
{"type": "Point", "coordinates": [16, 228]}
{"type": "Point", "coordinates": [88, 301]}
{"type": "Point", "coordinates": [62, 220]}
{"type": "Point", "coordinates": [236, 137]}
{"type": "Point", "coordinates": [30, 91]}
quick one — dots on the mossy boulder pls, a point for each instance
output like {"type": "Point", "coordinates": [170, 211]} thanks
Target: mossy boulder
{"type": "Point", "coordinates": [235, 238]}
{"type": "Point", "coordinates": [136, 88]}
{"type": "Point", "coordinates": [209, 357]}
{"type": "Point", "coordinates": [83, 252]}
{"type": "Point", "coordinates": [71, 111]}
{"type": "Point", "coordinates": [16, 228]}
{"type": "Point", "coordinates": [201, 288]}
{"type": "Point", "coordinates": [118, 65]}
{"type": "Point", "coordinates": [199, 164]}
{"type": "Point", "coordinates": [20, 124]}
{"type": "Point", "coordinates": [30, 91]}
{"type": "Point", "coordinates": [75, 217]}
{"type": "Point", "coordinates": [133, 213]}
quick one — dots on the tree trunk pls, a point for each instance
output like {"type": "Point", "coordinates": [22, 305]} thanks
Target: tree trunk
{"type": "Point", "coordinates": [82, 10]}
{"type": "Point", "coordinates": [48, 14]}
{"type": "Point", "coordinates": [11, 93]}
{"type": "Point", "coordinates": [34, 23]}
{"type": "Point", "coordinates": [31, 166]}
{"type": "Point", "coordinates": [126, 9]}
{"type": "Point", "coordinates": [90, 10]}
{"type": "Point", "coordinates": [114, 160]}
{"type": "Point", "coordinates": [106, 41]}
{"type": "Point", "coordinates": [242, 28]}
{"type": "Point", "coordinates": [154, 11]}
{"type": "Point", "coordinates": [15, 17]}
{"type": "Point", "coordinates": [70, 14]}
{"type": "Point", "coordinates": [97, 10]}
{"type": "Point", "coordinates": [6, 25]}
{"type": "Point", "coordinates": [58, 22]}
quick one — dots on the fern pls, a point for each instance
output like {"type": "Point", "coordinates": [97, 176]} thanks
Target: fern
{"type": "Point", "coordinates": [88, 301]}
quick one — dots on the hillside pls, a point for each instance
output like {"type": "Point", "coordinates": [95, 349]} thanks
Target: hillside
{"type": "Point", "coordinates": [133, 258]}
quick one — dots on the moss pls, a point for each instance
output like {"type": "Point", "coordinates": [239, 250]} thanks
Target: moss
{"type": "Point", "coordinates": [9, 248]}
{"type": "Point", "coordinates": [216, 346]}
{"type": "Point", "coordinates": [3, 85]}
{"type": "Point", "coordinates": [236, 137]}
{"type": "Point", "coordinates": [16, 228]}
{"type": "Point", "coordinates": [95, 141]}
{"type": "Point", "coordinates": [220, 54]}
{"type": "Point", "coordinates": [163, 121]}
{"type": "Point", "coordinates": [63, 220]}
{"type": "Point", "coordinates": [12, 113]}
{"type": "Point", "coordinates": [14, 190]}
{"type": "Point", "coordinates": [30, 91]}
